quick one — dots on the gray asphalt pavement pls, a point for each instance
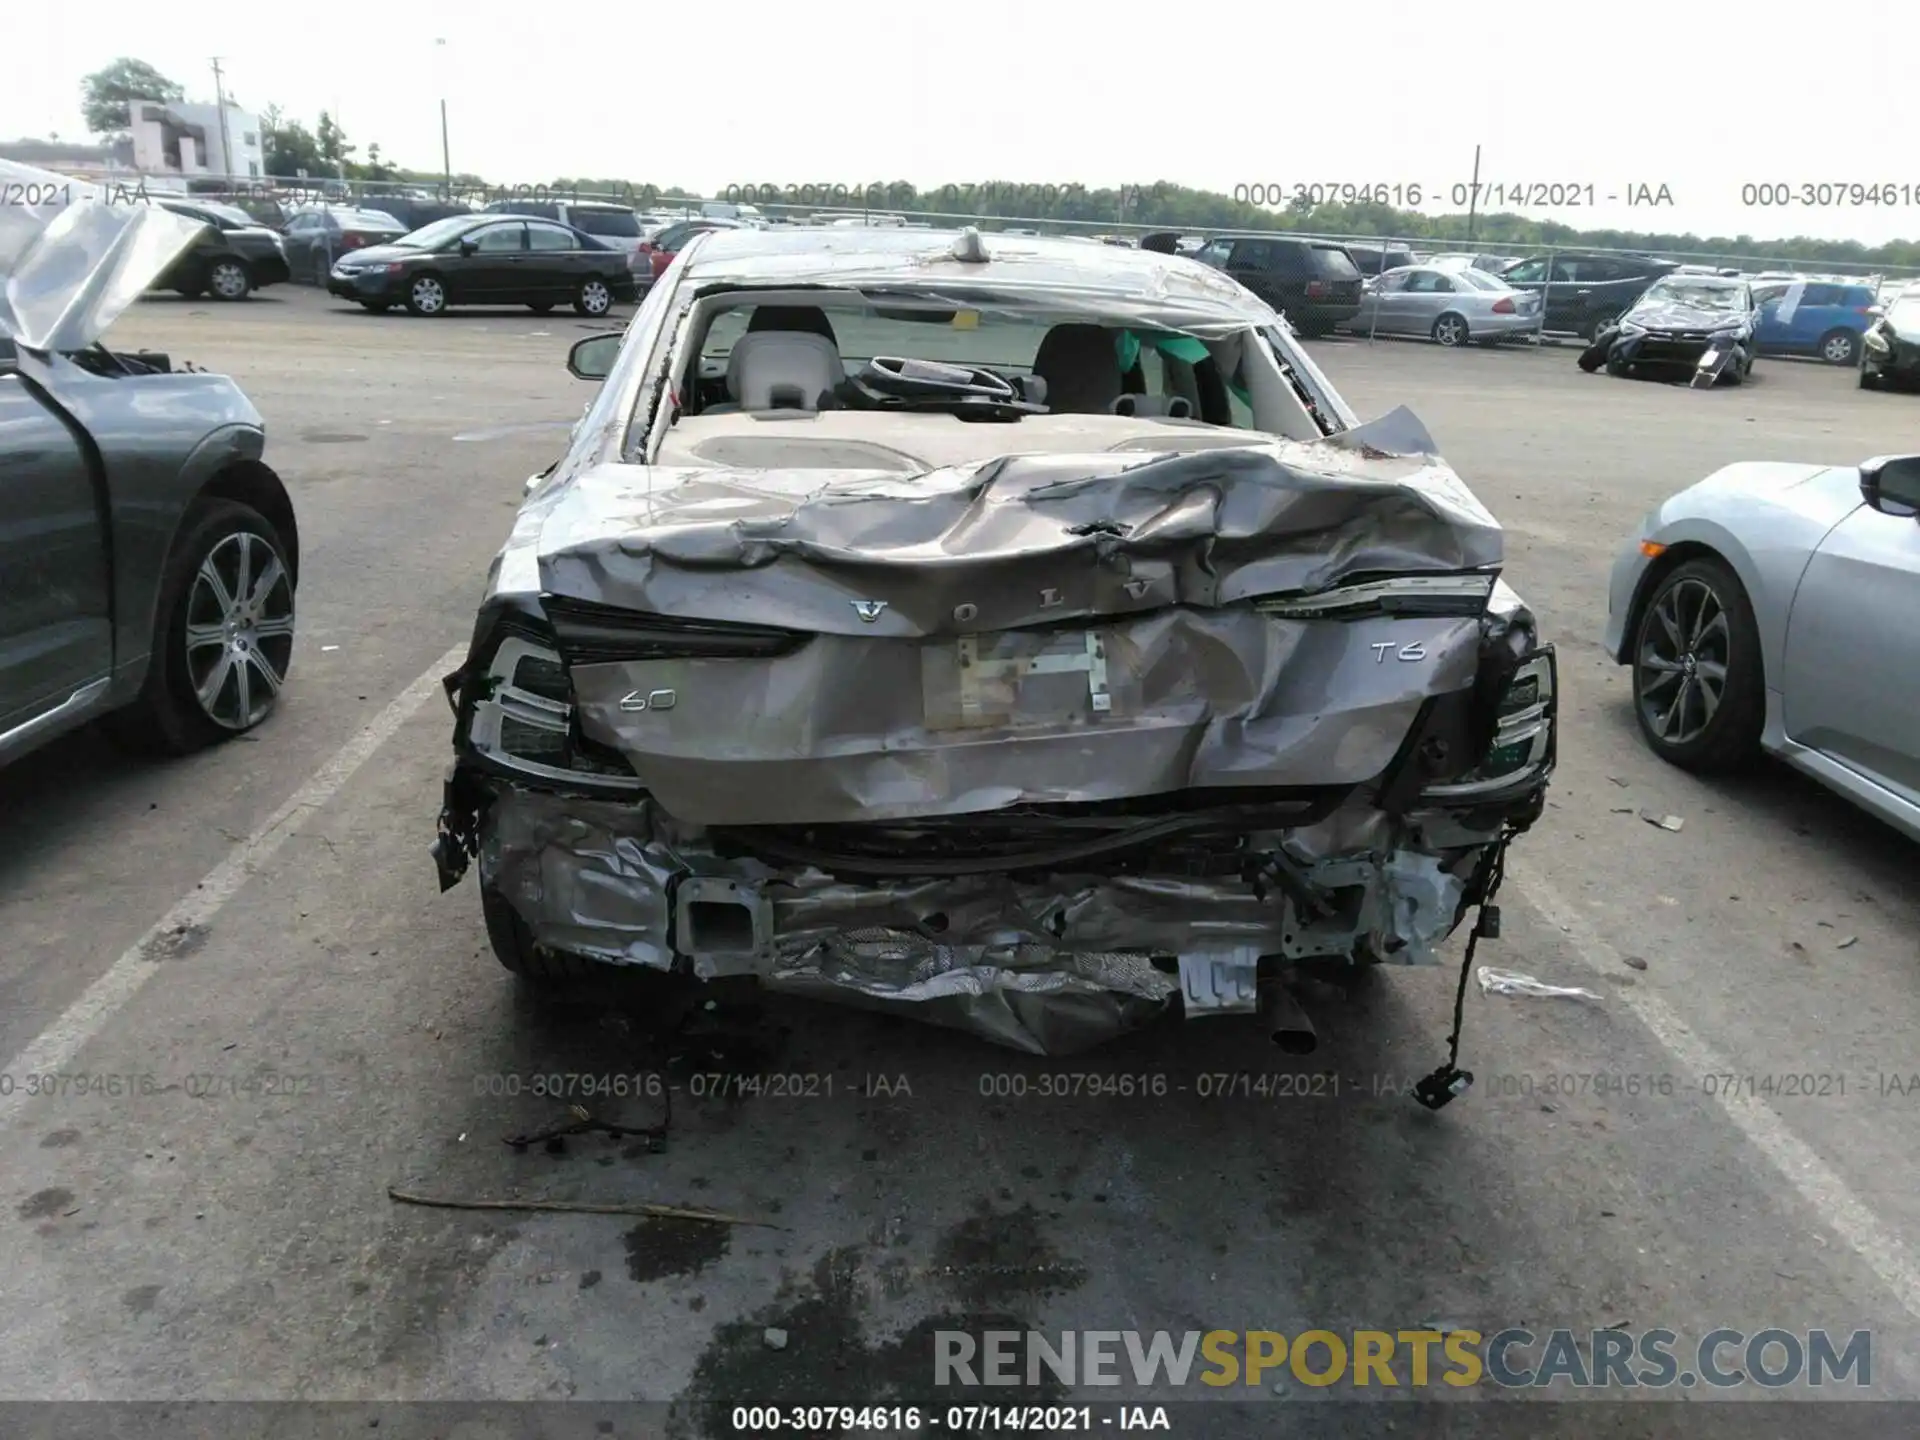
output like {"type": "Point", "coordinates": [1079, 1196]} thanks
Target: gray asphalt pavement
{"type": "Point", "coordinates": [314, 1023]}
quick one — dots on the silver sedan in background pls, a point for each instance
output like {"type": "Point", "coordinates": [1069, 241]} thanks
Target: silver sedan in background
{"type": "Point", "coordinates": [1770, 608]}
{"type": "Point", "coordinates": [1449, 307]}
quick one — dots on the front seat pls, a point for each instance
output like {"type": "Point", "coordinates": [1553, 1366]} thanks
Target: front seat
{"type": "Point", "coordinates": [782, 370]}
{"type": "Point", "coordinates": [1081, 365]}
{"type": "Point", "coordinates": [805, 319]}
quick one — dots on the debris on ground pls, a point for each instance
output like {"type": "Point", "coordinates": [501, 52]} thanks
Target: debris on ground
{"type": "Point", "coordinates": [1850, 940]}
{"type": "Point", "coordinates": [584, 1123]}
{"type": "Point", "coordinates": [578, 1207]}
{"type": "Point", "coordinates": [1512, 982]}
{"type": "Point", "coordinates": [1634, 962]}
{"type": "Point", "coordinates": [1665, 822]}
{"type": "Point", "coordinates": [775, 1337]}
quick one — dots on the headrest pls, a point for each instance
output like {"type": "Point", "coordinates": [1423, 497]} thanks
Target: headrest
{"type": "Point", "coordinates": [782, 370]}
{"type": "Point", "coordinates": [807, 319]}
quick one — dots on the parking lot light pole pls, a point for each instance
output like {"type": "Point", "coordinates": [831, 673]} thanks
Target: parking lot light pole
{"type": "Point", "coordinates": [446, 155]}
{"type": "Point", "coordinates": [1473, 195]}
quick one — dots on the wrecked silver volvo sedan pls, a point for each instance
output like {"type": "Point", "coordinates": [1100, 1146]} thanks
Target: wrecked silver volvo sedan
{"type": "Point", "coordinates": [1017, 634]}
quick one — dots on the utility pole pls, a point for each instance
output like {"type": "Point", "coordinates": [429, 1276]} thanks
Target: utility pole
{"type": "Point", "coordinates": [446, 155]}
{"type": "Point", "coordinates": [1473, 195]}
{"type": "Point", "coordinates": [226, 138]}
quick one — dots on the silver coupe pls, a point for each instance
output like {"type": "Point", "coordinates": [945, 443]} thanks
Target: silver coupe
{"type": "Point", "coordinates": [1771, 609]}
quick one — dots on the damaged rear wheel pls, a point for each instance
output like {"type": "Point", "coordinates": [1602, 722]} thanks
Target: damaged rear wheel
{"type": "Point", "coordinates": [537, 965]}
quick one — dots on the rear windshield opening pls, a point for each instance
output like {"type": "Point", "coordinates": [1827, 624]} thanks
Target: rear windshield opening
{"type": "Point", "coordinates": [1333, 261]}
{"type": "Point", "coordinates": [608, 222]}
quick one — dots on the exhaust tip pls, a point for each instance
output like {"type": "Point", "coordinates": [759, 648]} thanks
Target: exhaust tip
{"type": "Point", "coordinates": [1288, 1026]}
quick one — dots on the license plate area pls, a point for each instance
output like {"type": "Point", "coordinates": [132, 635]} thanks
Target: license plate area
{"type": "Point", "coordinates": [1017, 679]}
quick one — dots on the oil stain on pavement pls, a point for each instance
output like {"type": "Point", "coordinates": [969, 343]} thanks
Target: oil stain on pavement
{"type": "Point", "coordinates": [659, 1248]}
{"type": "Point", "coordinates": [996, 1264]}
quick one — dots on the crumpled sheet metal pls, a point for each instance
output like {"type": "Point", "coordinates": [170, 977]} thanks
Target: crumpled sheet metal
{"type": "Point", "coordinates": [69, 270]}
{"type": "Point", "coordinates": [861, 729]}
{"type": "Point", "coordinates": [1205, 528]}
{"type": "Point", "coordinates": [1048, 968]}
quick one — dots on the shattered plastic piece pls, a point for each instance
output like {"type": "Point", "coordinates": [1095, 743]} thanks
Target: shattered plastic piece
{"type": "Point", "coordinates": [1512, 982]}
{"type": "Point", "coordinates": [1665, 822]}
{"type": "Point", "coordinates": [1850, 940]}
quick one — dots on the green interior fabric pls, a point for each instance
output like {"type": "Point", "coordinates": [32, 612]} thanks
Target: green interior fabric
{"type": "Point", "coordinates": [1176, 347]}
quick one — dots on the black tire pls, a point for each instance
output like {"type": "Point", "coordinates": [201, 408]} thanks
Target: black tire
{"type": "Point", "coordinates": [229, 279]}
{"type": "Point", "coordinates": [539, 967]}
{"type": "Point", "coordinates": [376, 307]}
{"type": "Point", "coordinates": [1839, 347]}
{"type": "Point", "coordinates": [595, 297]}
{"type": "Point", "coordinates": [1869, 380]}
{"type": "Point", "coordinates": [166, 718]}
{"type": "Point", "coordinates": [1451, 330]}
{"type": "Point", "coordinates": [1671, 619]}
{"type": "Point", "coordinates": [1595, 324]}
{"type": "Point", "coordinates": [1620, 369]}
{"type": "Point", "coordinates": [540, 307]}
{"type": "Point", "coordinates": [419, 291]}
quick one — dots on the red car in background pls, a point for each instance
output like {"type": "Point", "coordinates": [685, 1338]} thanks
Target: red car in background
{"type": "Point", "coordinates": [656, 252]}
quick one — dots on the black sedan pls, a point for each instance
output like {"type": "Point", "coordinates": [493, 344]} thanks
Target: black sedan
{"type": "Point", "coordinates": [1697, 327]}
{"type": "Point", "coordinates": [486, 260]}
{"type": "Point", "coordinates": [1890, 349]}
{"type": "Point", "coordinates": [233, 256]}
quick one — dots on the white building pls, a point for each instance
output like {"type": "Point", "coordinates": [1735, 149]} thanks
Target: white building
{"type": "Point", "coordinates": [188, 140]}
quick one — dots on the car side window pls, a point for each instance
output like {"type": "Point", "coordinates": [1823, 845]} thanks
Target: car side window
{"type": "Point", "coordinates": [1822, 295]}
{"type": "Point", "coordinates": [1528, 271]}
{"type": "Point", "coordinates": [1391, 283]}
{"type": "Point", "coordinates": [496, 239]}
{"type": "Point", "coordinates": [1252, 254]}
{"type": "Point", "coordinates": [550, 237]}
{"type": "Point", "coordinates": [1566, 272]}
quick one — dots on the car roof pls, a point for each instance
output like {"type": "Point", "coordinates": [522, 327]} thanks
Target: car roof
{"type": "Point", "coordinates": [877, 255]}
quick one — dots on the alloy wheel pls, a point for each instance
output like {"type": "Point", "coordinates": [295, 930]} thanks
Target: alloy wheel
{"type": "Point", "coordinates": [1681, 675]}
{"type": "Point", "coordinates": [1449, 331]}
{"type": "Point", "coordinates": [228, 280]}
{"type": "Point", "coordinates": [239, 630]}
{"type": "Point", "coordinates": [1838, 350]}
{"type": "Point", "coordinates": [595, 298]}
{"type": "Point", "coordinates": [429, 295]}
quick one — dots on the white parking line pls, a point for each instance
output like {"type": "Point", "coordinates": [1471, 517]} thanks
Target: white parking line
{"type": "Point", "coordinates": [1830, 1197]}
{"type": "Point", "coordinates": [54, 1049]}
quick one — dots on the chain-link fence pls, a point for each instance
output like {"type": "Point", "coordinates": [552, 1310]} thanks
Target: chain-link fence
{"type": "Point", "coordinates": [413, 202]}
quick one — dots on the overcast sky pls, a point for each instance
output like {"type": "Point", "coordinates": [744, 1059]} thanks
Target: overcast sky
{"type": "Point", "coordinates": [1700, 97]}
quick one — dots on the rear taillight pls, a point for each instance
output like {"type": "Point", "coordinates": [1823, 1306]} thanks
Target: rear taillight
{"type": "Point", "coordinates": [646, 247]}
{"type": "Point", "coordinates": [1316, 289]}
{"type": "Point", "coordinates": [523, 719]}
{"type": "Point", "coordinates": [351, 241]}
{"type": "Point", "coordinates": [1523, 737]}
{"type": "Point", "coordinates": [588, 634]}
{"type": "Point", "coordinates": [661, 259]}
{"type": "Point", "coordinates": [1503, 306]}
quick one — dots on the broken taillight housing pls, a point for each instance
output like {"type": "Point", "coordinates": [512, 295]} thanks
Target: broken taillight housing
{"type": "Point", "coordinates": [1523, 736]}
{"type": "Point", "coordinates": [523, 720]}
